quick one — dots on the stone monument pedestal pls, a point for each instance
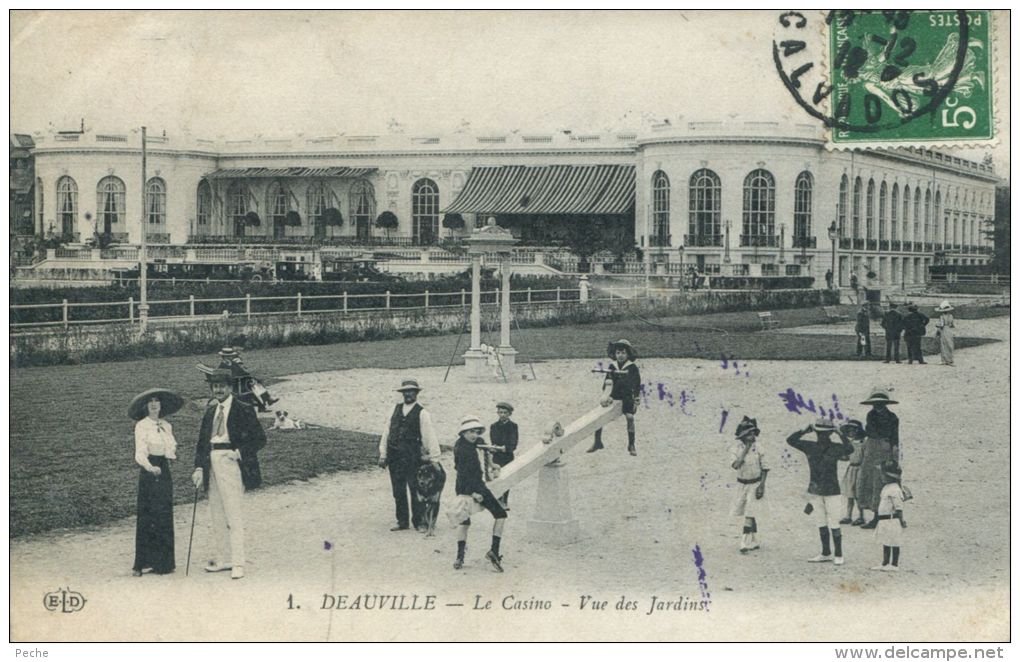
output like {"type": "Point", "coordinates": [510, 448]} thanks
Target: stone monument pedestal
{"type": "Point", "coordinates": [476, 364]}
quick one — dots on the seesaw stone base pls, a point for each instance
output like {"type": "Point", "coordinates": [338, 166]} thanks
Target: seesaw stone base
{"type": "Point", "coordinates": [553, 521]}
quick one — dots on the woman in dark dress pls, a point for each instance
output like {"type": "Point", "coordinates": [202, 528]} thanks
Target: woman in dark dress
{"type": "Point", "coordinates": [882, 443]}
{"type": "Point", "coordinates": [155, 446]}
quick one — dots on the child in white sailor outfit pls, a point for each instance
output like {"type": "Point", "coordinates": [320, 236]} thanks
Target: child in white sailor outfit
{"type": "Point", "coordinates": [889, 531]}
{"type": "Point", "coordinates": [749, 462]}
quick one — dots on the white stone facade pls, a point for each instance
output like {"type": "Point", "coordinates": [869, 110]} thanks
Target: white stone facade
{"type": "Point", "coordinates": [729, 152]}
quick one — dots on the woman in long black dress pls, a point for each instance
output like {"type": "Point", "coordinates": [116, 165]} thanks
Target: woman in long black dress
{"type": "Point", "coordinates": [155, 446]}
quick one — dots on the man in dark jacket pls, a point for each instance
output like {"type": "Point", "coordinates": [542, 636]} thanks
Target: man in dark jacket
{"type": "Point", "coordinates": [892, 322]}
{"type": "Point", "coordinates": [226, 464]}
{"type": "Point", "coordinates": [863, 330]}
{"type": "Point", "coordinates": [913, 330]}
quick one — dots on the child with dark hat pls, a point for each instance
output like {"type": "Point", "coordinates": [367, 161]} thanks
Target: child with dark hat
{"type": "Point", "coordinates": [471, 482]}
{"type": "Point", "coordinates": [503, 434]}
{"type": "Point", "coordinates": [889, 531]}
{"type": "Point", "coordinates": [853, 431]}
{"type": "Point", "coordinates": [749, 463]}
{"type": "Point", "coordinates": [626, 379]}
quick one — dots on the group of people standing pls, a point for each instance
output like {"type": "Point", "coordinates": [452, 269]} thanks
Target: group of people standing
{"type": "Point", "coordinates": [872, 479]}
{"type": "Point", "coordinates": [911, 327]}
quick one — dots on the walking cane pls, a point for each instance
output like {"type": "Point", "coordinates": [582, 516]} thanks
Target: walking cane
{"type": "Point", "coordinates": [194, 509]}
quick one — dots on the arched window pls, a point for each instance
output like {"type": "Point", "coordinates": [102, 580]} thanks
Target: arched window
{"type": "Point", "coordinates": [844, 191]}
{"type": "Point", "coordinates": [883, 201]}
{"type": "Point", "coordinates": [894, 208]}
{"type": "Point", "coordinates": [802, 192]}
{"type": "Point", "coordinates": [660, 210]}
{"type": "Point", "coordinates": [907, 231]}
{"type": "Point", "coordinates": [318, 202]}
{"type": "Point", "coordinates": [855, 229]}
{"type": "Point", "coordinates": [759, 209]}
{"type": "Point", "coordinates": [927, 215]}
{"type": "Point", "coordinates": [956, 215]}
{"type": "Point", "coordinates": [424, 212]}
{"type": "Point", "coordinates": [917, 214]}
{"type": "Point", "coordinates": [204, 206]}
{"type": "Point", "coordinates": [67, 204]}
{"type": "Point", "coordinates": [362, 208]}
{"type": "Point", "coordinates": [237, 206]}
{"type": "Point", "coordinates": [277, 206]}
{"type": "Point", "coordinates": [110, 202]}
{"type": "Point", "coordinates": [869, 212]}
{"type": "Point", "coordinates": [155, 201]}
{"type": "Point", "coordinates": [704, 222]}
{"type": "Point", "coordinates": [941, 228]}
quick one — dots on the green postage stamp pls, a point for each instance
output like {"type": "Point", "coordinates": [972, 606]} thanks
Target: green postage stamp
{"type": "Point", "coordinates": [911, 76]}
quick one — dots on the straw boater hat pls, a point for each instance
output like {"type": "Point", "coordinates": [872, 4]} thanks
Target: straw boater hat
{"type": "Point", "coordinates": [745, 426]}
{"type": "Point", "coordinates": [879, 396]}
{"type": "Point", "coordinates": [625, 344]}
{"type": "Point", "coordinates": [505, 405]}
{"type": "Point", "coordinates": [470, 423]}
{"type": "Point", "coordinates": [228, 353]}
{"type": "Point", "coordinates": [852, 428]}
{"type": "Point", "coordinates": [944, 307]}
{"type": "Point", "coordinates": [219, 376]}
{"type": "Point", "coordinates": [409, 385]}
{"type": "Point", "coordinates": [169, 403]}
{"type": "Point", "coordinates": [823, 424]}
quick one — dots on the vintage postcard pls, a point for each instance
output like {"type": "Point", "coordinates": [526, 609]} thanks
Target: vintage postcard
{"type": "Point", "coordinates": [424, 326]}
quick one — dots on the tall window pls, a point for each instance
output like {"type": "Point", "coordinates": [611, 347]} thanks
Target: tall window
{"type": "Point", "coordinates": [895, 209]}
{"type": "Point", "coordinates": [927, 215]}
{"type": "Point", "coordinates": [318, 202]}
{"type": "Point", "coordinates": [110, 201]}
{"type": "Point", "coordinates": [204, 204]}
{"type": "Point", "coordinates": [155, 201]}
{"type": "Point", "coordinates": [917, 214]}
{"type": "Point", "coordinates": [424, 211]}
{"type": "Point", "coordinates": [705, 223]}
{"type": "Point", "coordinates": [362, 208]}
{"type": "Point", "coordinates": [882, 204]}
{"type": "Point", "coordinates": [237, 206]}
{"type": "Point", "coordinates": [41, 206]}
{"type": "Point", "coordinates": [802, 205]}
{"type": "Point", "coordinates": [67, 204]}
{"type": "Point", "coordinates": [759, 206]}
{"type": "Point", "coordinates": [869, 211]}
{"type": "Point", "coordinates": [844, 191]}
{"type": "Point", "coordinates": [277, 206]}
{"type": "Point", "coordinates": [855, 229]}
{"type": "Point", "coordinates": [941, 225]}
{"type": "Point", "coordinates": [660, 209]}
{"type": "Point", "coordinates": [907, 231]}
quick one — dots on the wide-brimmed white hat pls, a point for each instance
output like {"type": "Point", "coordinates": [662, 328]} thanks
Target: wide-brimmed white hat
{"type": "Point", "coordinates": [470, 423]}
{"type": "Point", "coordinates": [944, 307]}
{"type": "Point", "coordinates": [879, 396]}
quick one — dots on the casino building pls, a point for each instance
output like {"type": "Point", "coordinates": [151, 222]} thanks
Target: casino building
{"type": "Point", "coordinates": [730, 197]}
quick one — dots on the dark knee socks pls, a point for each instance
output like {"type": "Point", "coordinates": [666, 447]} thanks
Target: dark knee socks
{"type": "Point", "coordinates": [896, 556]}
{"type": "Point", "coordinates": [631, 434]}
{"type": "Point", "coordinates": [885, 554]}
{"type": "Point", "coordinates": [823, 533]}
{"type": "Point", "coordinates": [837, 542]}
{"type": "Point", "coordinates": [495, 545]}
{"type": "Point", "coordinates": [461, 546]}
{"type": "Point", "coordinates": [747, 529]}
{"type": "Point", "coordinates": [754, 525]}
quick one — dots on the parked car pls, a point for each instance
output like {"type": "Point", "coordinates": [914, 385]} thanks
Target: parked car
{"type": "Point", "coordinates": [355, 270]}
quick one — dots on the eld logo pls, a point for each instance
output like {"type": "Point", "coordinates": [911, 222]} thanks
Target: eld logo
{"type": "Point", "coordinates": [64, 600]}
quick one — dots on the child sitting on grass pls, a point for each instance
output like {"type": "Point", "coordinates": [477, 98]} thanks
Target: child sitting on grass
{"type": "Point", "coordinates": [470, 482]}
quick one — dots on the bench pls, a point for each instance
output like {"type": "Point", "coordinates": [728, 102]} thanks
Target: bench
{"type": "Point", "coordinates": [767, 321]}
{"type": "Point", "coordinates": [832, 314]}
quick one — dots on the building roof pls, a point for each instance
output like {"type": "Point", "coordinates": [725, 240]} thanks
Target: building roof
{"type": "Point", "coordinates": [559, 189]}
{"type": "Point", "coordinates": [21, 144]}
{"type": "Point", "coordinates": [245, 173]}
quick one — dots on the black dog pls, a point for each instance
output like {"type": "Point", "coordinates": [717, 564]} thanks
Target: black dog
{"type": "Point", "coordinates": [429, 483]}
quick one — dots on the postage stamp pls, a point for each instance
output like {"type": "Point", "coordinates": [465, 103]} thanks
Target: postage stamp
{"type": "Point", "coordinates": [897, 77]}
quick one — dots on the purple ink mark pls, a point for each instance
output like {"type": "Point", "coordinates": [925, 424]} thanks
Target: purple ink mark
{"type": "Point", "coordinates": [327, 545]}
{"type": "Point", "coordinates": [699, 563]}
{"type": "Point", "coordinates": [722, 422]}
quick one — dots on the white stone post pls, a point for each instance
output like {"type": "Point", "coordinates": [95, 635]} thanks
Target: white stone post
{"type": "Point", "coordinates": [507, 354]}
{"type": "Point", "coordinates": [474, 358]}
{"type": "Point", "coordinates": [553, 521]}
{"type": "Point", "coordinates": [583, 286]}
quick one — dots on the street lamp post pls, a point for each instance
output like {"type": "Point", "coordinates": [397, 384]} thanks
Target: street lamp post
{"type": "Point", "coordinates": [680, 250]}
{"type": "Point", "coordinates": [833, 236]}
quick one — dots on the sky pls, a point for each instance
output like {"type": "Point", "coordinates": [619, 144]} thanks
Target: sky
{"type": "Point", "coordinates": [239, 74]}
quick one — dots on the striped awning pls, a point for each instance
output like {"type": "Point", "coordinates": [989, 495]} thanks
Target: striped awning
{"type": "Point", "coordinates": [334, 171]}
{"type": "Point", "coordinates": [562, 189]}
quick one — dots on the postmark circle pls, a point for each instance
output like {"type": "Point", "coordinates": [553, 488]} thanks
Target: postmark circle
{"type": "Point", "coordinates": [900, 98]}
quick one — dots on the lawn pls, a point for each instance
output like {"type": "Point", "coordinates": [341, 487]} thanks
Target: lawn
{"type": "Point", "coordinates": [72, 446]}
